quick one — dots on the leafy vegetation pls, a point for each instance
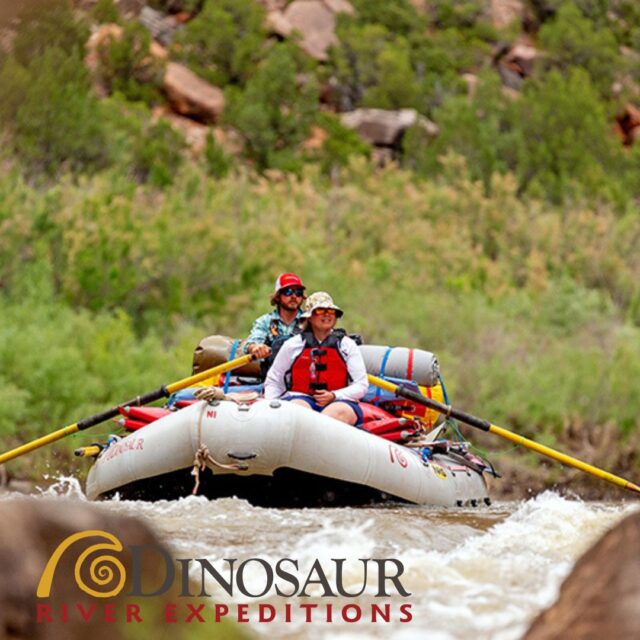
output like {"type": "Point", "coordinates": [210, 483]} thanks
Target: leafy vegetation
{"type": "Point", "coordinates": [507, 244]}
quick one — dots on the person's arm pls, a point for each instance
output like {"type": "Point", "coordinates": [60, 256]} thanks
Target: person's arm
{"type": "Point", "coordinates": [259, 332]}
{"type": "Point", "coordinates": [359, 385]}
{"type": "Point", "coordinates": [274, 384]}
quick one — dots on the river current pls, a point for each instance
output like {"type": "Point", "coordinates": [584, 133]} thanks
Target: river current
{"type": "Point", "coordinates": [482, 573]}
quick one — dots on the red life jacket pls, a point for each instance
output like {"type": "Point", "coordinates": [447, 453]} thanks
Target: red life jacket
{"type": "Point", "coordinates": [319, 365]}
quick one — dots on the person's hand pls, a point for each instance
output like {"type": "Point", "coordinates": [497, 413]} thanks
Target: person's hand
{"type": "Point", "coordinates": [324, 397]}
{"type": "Point", "coordinates": [259, 350]}
{"type": "Point", "coordinates": [210, 394]}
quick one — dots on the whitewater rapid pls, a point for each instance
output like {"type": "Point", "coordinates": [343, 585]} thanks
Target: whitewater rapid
{"type": "Point", "coordinates": [483, 573]}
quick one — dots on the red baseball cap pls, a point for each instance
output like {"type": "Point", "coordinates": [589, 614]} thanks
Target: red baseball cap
{"type": "Point", "coordinates": [288, 280]}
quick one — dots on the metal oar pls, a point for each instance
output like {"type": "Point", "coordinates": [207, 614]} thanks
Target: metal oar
{"type": "Point", "coordinates": [484, 425]}
{"type": "Point", "coordinates": [163, 392]}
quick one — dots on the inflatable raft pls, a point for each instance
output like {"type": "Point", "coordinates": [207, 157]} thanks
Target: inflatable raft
{"type": "Point", "coordinates": [275, 453]}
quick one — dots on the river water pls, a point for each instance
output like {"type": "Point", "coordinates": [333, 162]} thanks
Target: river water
{"type": "Point", "coordinates": [482, 572]}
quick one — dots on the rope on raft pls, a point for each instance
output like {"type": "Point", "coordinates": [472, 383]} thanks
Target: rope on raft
{"type": "Point", "coordinates": [203, 456]}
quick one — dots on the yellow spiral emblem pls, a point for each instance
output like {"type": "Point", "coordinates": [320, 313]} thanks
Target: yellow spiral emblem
{"type": "Point", "coordinates": [104, 569]}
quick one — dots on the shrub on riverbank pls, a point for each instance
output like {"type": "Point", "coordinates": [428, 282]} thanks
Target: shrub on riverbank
{"type": "Point", "coordinates": [107, 287]}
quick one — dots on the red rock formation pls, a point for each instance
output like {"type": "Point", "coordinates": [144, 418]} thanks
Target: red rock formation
{"type": "Point", "coordinates": [192, 96]}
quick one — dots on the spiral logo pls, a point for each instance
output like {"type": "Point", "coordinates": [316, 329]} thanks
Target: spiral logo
{"type": "Point", "coordinates": [103, 570]}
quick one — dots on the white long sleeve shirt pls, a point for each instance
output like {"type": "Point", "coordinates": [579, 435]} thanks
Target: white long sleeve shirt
{"type": "Point", "coordinates": [275, 387]}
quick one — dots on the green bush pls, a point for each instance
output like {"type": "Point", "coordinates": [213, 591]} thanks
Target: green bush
{"type": "Point", "coordinates": [340, 146]}
{"type": "Point", "coordinates": [217, 161]}
{"type": "Point", "coordinates": [105, 11]}
{"type": "Point", "coordinates": [566, 145]}
{"type": "Point", "coordinates": [157, 154]}
{"type": "Point", "coordinates": [126, 66]}
{"type": "Point", "coordinates": [51, 23]}
{"type": "Point", "coordinates": [56, 122]}
{"type": "Point", "coordinates": [14, 86]}
{"type": "Point", "coordinates": [480, 129]}
{"type": "Point", "coordinates": [225, 42]}
{"type": "Point", "coordinates": [452, 13]}
{"type": "Point", "coordinates": [395, 87]}
{"type": "Point", "coordinates": [353, 63]}
{"type": "Point", "coordinates": [174, 6]}
{"type": "Point", "coordinates": [274, 114]}
{"type": "Point", "coordinates": [399, 17]}
{"type": "Point", "coordinates": [572, 40]}
{"type": "Point", "coordinates": [372, 66]}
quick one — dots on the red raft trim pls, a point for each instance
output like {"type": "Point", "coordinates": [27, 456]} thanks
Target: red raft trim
{"type": "Point", "coordinates": [374, 419]}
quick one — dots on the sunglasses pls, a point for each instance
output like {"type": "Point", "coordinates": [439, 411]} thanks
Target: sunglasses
{"type": "Point", "coordinates": [291, 291]}
{"type": "Point", "coordinates": [324, 312]}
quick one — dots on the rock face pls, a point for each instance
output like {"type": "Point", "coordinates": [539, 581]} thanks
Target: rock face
{"type": "Point", "coordinates": [30, 531]}
{"type": "Point", "coordinates": [315, 20]}
{"type": "Point", "coordinates": [385, 128]}
{"type": "Point", "coordinates": [81, 536]}
{"type": "Point", "coordinates": [504, 12]}
{"type": "Point", "coordinates": [628, 124]}
{"type": "Point", "coordinates": [192, 96]}
{"type": "Point", "coordinates": [161, 26]}
{"type": "Point", "coordinates": [601, 596]}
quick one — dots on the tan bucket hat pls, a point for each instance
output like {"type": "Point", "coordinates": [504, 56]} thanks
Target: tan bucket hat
{"type": "Point", "coordinates": [320, 300]}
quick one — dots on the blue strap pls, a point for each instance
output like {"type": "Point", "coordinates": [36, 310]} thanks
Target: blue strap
{"type": "Point", "coordinates": [444, 390]}
{"type": "Point", "coordinates": [383, 366]}
{"type": "Point", "coordinates": [232, 355]}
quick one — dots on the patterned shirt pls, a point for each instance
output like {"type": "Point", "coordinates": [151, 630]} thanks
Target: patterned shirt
{"type": "Point", "coordinates": [264, 327]}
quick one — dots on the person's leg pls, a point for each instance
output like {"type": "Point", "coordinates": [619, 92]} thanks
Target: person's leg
{"type": "Point", "coordinates": [301, 403]}
{"type": "Point", "coordinates": [344, 411]}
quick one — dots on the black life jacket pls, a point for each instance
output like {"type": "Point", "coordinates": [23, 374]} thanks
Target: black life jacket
{"type": "Point", "coordinates": [320, 366]}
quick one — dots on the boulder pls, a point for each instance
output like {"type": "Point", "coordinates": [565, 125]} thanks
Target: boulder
{"type": "Point", "coordinates": [522, 59]}
{"type": "Point", "coordinates": [98, 41]}
{"type": "Point", "coordinates": [273, 5]}
{"type": "Point", "coordinates": [161, 26]}
{"type": "Point", "coordinates": [316, 139]}
{"type": "Point", "coordinates": [601, 596]}
{"type": "Point", "coordinates": [277, 23]}
{"type": "Point", "coordinates": [7, 36]}
{"type": "Point", "coordinates": [471, 80]}
{"type": "Point", "coordinates": [627, 121]}
{"type": "Point", "coordinates": [386, 128]}
{"type": "Point", "coordinates": [515, 64]}
{"type": "Point", "coordinates": [504, 12]}
{"type": "Point", "coordinates": [30, 531]}
{"type": "Point", "coordinates": [94, 552]}
{"type": "Point", "coordinates": [130, 8]}
{"type": "Point", "coordinates": [101, 37]}
{"type": "Point", "coordinates": [316, 22]}
{"type": "Point", "coordinates": [194, 133]}
{"type": "Point", "coordinates": [190, 95]}
{"type": "Point", "coordinates": [339, 6]}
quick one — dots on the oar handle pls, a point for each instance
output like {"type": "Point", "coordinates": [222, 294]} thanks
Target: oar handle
{"type": "Point", "coordinates": [138, 401]}
{"type": "Point", "coordinates": [445, 409]}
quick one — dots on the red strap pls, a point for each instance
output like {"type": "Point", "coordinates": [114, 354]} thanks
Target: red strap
{"type": "Point", "coordinates": [410, 364]}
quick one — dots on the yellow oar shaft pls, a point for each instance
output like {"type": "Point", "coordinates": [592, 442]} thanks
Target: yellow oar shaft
{"type": "Point", "coordinates": [562, 457]}
{"type": "Point", "coordinates": [162, 392]}
{"type": "Point", "coordinates": [478, 423]}
{"type": "Point", "coordinates": [40, 442]}
{"type": "Point", "coordinates": [209, 373]}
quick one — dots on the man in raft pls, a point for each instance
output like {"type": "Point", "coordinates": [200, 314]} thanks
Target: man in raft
{"type": "Point", "coordinates": [287, 299]}
{"type": "Point", "coordinates": [320, 368]}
